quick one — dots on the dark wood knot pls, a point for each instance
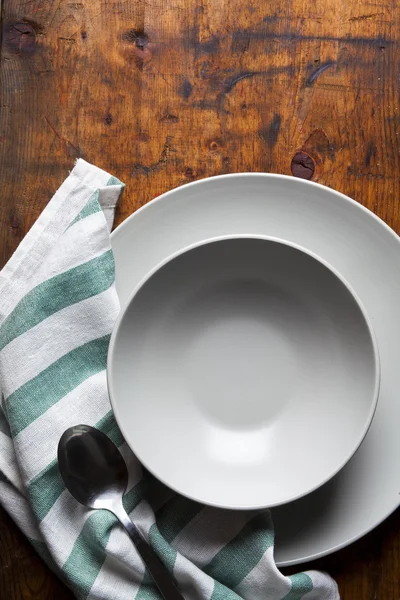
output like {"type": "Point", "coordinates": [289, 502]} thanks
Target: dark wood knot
{"type": "Point", "coordinates": [20, 36]}
{"type": "Point", "coordinates": [302, 165]}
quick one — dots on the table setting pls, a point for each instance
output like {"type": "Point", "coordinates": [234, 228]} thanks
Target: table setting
{"type": "Point", "coordinates": [199, 301]}
{"type": "Point", "coordinates": [225, 435]}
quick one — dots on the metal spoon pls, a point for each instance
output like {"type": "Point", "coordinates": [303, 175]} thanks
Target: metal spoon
{"type": "Point", "coordinates": [95, 473]}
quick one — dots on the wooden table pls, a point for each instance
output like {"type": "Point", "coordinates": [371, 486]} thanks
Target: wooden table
{"type": "Point", "coordinates": [162, 92]}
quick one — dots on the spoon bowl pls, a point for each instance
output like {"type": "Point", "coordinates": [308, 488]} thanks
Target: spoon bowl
{"type": "Point", "coordinates": [95, 474]}
{"type": "Point", "coordinates": [91, 466]}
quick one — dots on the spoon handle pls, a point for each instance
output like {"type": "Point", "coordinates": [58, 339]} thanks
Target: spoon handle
{"type": "Point", "coordinates": [162, 578]}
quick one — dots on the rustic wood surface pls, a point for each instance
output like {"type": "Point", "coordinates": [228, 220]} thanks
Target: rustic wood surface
{"type": "Point", "coordinates": [162, 92]}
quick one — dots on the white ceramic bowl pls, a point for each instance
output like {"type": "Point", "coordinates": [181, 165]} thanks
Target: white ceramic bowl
{"type": "Point", "coordinates": [243, 372]}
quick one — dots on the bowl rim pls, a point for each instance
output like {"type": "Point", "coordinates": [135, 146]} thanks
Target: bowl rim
{"type": "Point", "coordinates": [245, 236]}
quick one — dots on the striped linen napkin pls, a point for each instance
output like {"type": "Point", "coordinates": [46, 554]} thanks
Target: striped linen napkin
{"type": "Point", "coordinates": [58, 305]}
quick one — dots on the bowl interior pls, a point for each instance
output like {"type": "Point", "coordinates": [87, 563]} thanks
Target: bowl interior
{"type": "Point", "coordinates": [243, 372]}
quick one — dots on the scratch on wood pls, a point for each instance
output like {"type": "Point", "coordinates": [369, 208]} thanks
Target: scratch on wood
{"type": "Point", "coordinates": [367, 17]}
{"type": "Point", "coordinates": [230, 83]}
{"type": "Point", "coordinates": [75, 149]}
{"type": "Point", "coordinates": [368, 175]}
{"type": "Point", "coordinates": [318, 72]}
{"type": "Point", "coordinates": [240, 44]}
{"type": "Point", "coordinates": [169, 118]}
{"type": "Point", "coordinates": [164, 156]}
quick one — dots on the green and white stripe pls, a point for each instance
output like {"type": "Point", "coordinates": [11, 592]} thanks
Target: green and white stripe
{"type": "Point", "coordinates": [58, 305]}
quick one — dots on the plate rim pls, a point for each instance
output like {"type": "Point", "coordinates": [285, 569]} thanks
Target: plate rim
{"type": "Point", "coordinates": [323, 189]}
{"type": "Point", "coordinates": [254, 174]}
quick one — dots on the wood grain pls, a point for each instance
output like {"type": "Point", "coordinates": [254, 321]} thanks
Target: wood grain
{"type": "Point", "coordinates": [160, 93]}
